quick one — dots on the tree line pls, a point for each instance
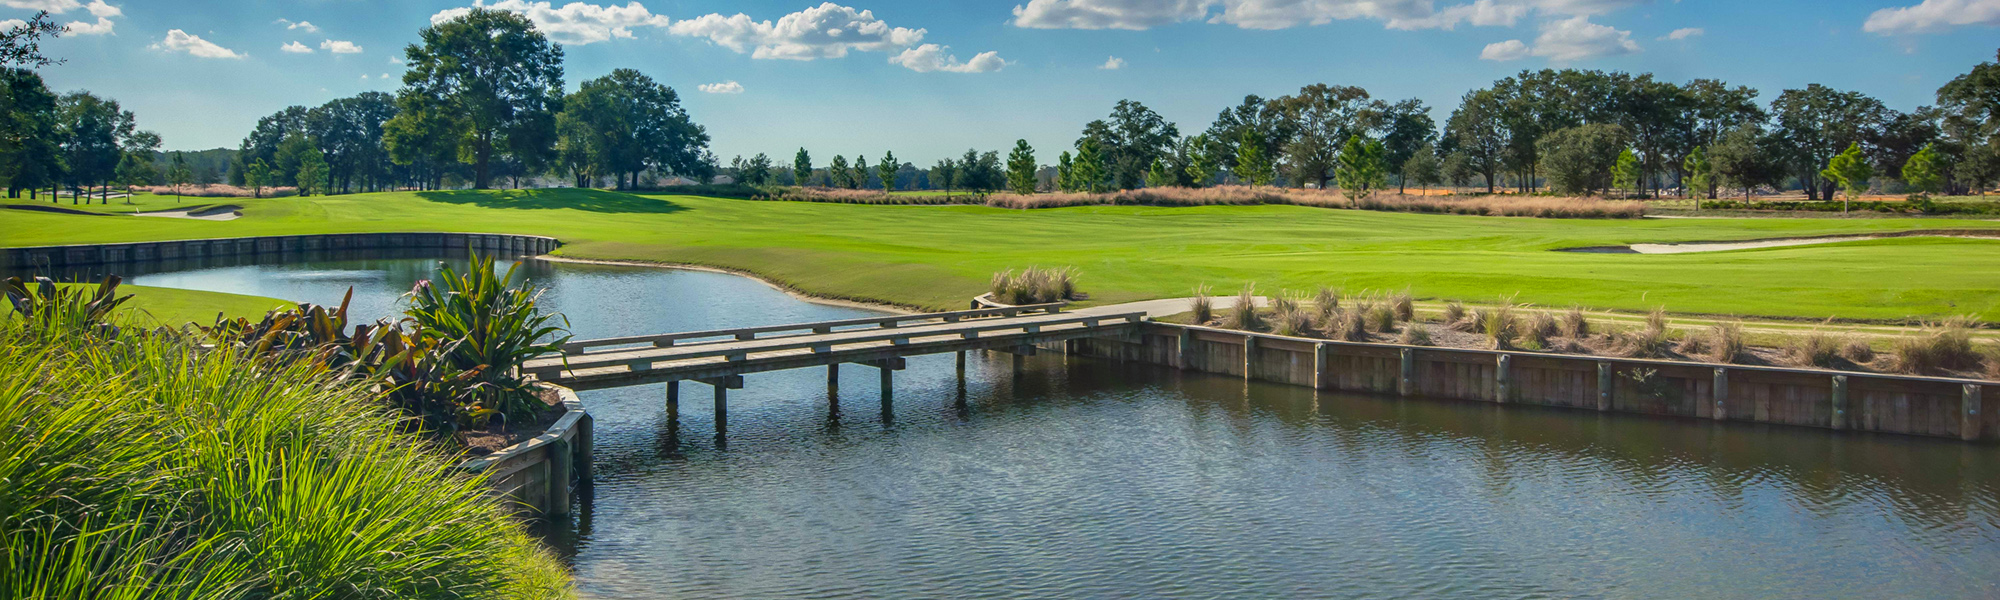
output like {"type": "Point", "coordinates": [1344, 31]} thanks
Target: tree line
{"type": "Point", "coordinates": [1566, 131]}
{"type": "Point", "coordinates": [482, 104]}
{"type": "Point", "coordinates": [52, 141]}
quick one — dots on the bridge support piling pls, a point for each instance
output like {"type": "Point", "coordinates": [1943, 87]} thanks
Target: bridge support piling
{"type": "Point", "coordinates": [961, 366]}
{"type": "Point", "coordinates": [721, 409]}
{"type": "Point", "coordinates": [673, 407]}
{"type": "Point", "coordinates": [888, 390]}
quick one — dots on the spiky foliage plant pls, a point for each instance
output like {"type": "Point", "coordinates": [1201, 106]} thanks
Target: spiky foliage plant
{"type": "Point", "coordinates": [483, 326]}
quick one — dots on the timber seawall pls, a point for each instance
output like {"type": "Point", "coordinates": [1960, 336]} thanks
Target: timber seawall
{"type": "Point", "coordinates": [1910, 405]}
{"type": "Point", "coordinates": [57, 257]}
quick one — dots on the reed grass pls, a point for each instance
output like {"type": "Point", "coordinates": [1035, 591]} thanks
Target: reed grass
{"type": "Point", "coordinates": [1725, 343]}
{"type": "Point", "coordinates": [150, 467]}
{"type": "Point", "coordinates": [1243, 314]}
{"type": "Point", "coordinates": [1415, 334]}
{"type": "Point", "coordinates": [1232, 195]}
{"type": "Point", "coordinates": [1349, 326]}
{"type": "Point", "coordinates": [1574, 324]}
{"type": "Point", "coordinates": [1405, 306]}
{"type": "Point", "coordinates": [1499, 325]}
{"type": "Point", "coordinates": [1454, 312]}
{"type": "Point", "coordinates": [1034, 285]}
{"type": "Point", "coordinates": [1381, 317]}
{"type": "Point", "coordinates": [1811, 349]}
{"type": "Point", "coordinates": [1939, 349]}
{"type": "Point", "coordinates": [1202, 307]}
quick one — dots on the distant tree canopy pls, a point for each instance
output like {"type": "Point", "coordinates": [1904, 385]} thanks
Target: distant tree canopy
{"type": "Point", "coordinates": [488, 80]}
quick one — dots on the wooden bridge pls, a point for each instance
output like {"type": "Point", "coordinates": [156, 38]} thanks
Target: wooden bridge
{"type": "Point", "coordinates": [720, 358]}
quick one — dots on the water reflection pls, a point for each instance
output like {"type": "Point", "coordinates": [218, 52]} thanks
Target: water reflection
{"type": "Point", "coordinates": [1083, 478]}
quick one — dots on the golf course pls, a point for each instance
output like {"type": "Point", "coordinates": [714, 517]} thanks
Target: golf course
{"type": "Point", "coordinates": [935, 257]}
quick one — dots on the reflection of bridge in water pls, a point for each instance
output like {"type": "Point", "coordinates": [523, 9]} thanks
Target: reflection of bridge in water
{"type": "Point", "coordinates": [720, 358]}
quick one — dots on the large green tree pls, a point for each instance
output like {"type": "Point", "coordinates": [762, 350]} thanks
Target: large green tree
{"type": "Point", "coordinates": [1818, 123]}
{"type": "Point", "coordinates": [802, 168]}
{"type": "Point", "coordinates": [495, 79]}
{"type": "Point", "coordinates": [1740, 159]}
{"type": "Point", "coordinates": [632, 123]}
{"type": "Point", "coordinates": [1254, 113]}
{"type": "Point", "coordinates": [1851, 171]}
{"type": "Point", "coordinates": [1130, 140]}
{"type": "Point", "coordinates": [1322, 118]}
{"type": "Point", "coordinates": [93, 131]}
{"type": "Point", "coordinates": [943, 175]}
{"type": "Point", "coordinates": [30, 146]}
{"type": "Point", "coordinates": [1924, 171]}
{"type": "Point", "coordinates": [886, 171]}
{"type": "Point", "coordinates": [1088, 171]}
{"type": "Point", "coordinates": [1477, 132]}
{"type": "Point", "coordinates": [1252, 165]}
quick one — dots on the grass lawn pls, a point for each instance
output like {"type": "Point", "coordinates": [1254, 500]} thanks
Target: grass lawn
{"type": "Point", "coordinates": [937, 256]}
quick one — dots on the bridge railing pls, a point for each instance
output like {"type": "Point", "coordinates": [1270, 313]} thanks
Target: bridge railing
{"type": "Point", "coordinates": [668, 340]}
{"type": "Point", "coordinates": [819, 345]}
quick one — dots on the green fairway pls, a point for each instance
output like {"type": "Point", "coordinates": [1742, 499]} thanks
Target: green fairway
{"type": "Point", "coordinates": [937, 256]}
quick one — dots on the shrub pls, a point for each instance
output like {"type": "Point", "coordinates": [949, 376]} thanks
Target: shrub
{"type": "Point", "coordinates": [216, 191]}
{"type": "Point", "coordinates": [1940, 348]}
{"type": "Point", "coordinates": [177, 471]}
{"type": "Point", "coordinates": [484, 329]}
{"type": "Point", "coordinates": [1857, 350]}
{"type": "Point", "coordinates": [1650, 341]}
{"type": "Point", "coordinates": [1202, 306]}
{"type": "Point", "coordinates": [1243, 314]}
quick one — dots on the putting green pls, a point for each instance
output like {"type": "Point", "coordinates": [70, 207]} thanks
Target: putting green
{"type": "Point", "coordinates": [936, 256]}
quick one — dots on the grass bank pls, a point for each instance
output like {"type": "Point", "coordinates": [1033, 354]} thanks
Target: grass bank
{"type": "Point", "coordinates": [937, 256]}
{"type": "Point", "coordinates": [155, 306]}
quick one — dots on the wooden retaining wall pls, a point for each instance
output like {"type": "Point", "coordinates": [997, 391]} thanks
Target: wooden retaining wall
{"type": "Point", "coordinates": [536, 476]}
{"type": "Point", "coordinates": [55, 257]}
{"type": "Point", "coordinates": [1925, 406]}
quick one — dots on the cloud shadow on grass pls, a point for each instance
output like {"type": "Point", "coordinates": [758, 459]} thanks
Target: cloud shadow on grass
{"type": "Point", "coordinates": [552, 199]}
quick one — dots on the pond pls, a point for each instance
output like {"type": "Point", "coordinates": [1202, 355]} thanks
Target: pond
{"type": "Point", "coordinates": [1083, 478]}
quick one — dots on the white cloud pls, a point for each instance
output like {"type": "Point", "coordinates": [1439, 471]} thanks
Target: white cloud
{"type": "Point", "coordinates": [1576, 38]}
{"type": "Point", "coordinates": [726, 87]}
{"type": "Point", "coordinates": [395, 60]}
{"type": "Point", "coordinates": [932, 57]}
{"type": "Point", "coordinates": [1933, 16]}
{"type": "Point", "coordinates": [182, 41]}
{"type": "Point", "coordinates": [1684, 33]}
{"type": "Point", "coordinates": [1281, 14]}
{"type": "Point", "coordinates": [53, 6]}
{"type": "Point", "coordinates": [1107, 14]}
{"type": "Point", "coordinates": [575, 23]}
{"type": "Point", "coordinates": [339, 47]}
{"type": "Point", "coordinates": [1112, 64]}
{"type": "Point", "coordinates": [306, 25]}
{"type": "Point", "coordinates": [385, 76]}
{"type": "Point", "coordinates": [825, 31]}
{"type": "Point", "coordinates": [12, 23]}
{"type": "Point", "coordinates": [103, 26]}
{"type": "Point", "coordinates": [296, 48]}
{"type": "Point", "coordinates": [1504, 51]}
{"type": "Point", "coordinates": [101, 10]}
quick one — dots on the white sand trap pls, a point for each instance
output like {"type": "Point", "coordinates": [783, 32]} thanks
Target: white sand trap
{"type": "Point", "coordinates": [212, 213]}
{"type": "Point", "coordinates": [1692, 247]}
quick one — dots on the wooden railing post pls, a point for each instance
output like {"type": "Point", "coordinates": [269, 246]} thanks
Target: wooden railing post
{"type": "Point", "coordinates": [1249, 354]}
{"type": "Point", "coordinates": [1407, 384]}
{"type": "Point", "coordinates": [1320, 381]}
{"type": "Point", "coordinates": [1969, 419]}
{"type": "Point", "coordinates": [1606, 386]}
{"type": "Point", "coordinates": [1720, 392]}
{"type": "Point", "coordinates": [559, 456]}
{"type": "Point", "coordinates": [1837, 417]}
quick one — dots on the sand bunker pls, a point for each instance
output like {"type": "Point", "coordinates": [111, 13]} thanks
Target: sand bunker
{"type": "Point", "coordinates": [226, 212]}
{"type": "Point", "coordinates": [1691, 247]}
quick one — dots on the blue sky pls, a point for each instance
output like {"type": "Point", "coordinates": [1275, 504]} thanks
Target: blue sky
{"type": "Point", "coordinates": [928, 79]}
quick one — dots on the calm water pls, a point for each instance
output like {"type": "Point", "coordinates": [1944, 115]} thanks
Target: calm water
{"type": "Point", "coordinates": [1099, 480]}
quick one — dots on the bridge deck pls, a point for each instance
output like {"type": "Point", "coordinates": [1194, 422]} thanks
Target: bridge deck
{"type": "Point", "coordinates": [673, 359]}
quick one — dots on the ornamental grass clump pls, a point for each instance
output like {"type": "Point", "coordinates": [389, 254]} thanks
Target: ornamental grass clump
{"type": "Point", "coordinates": [1348, 326]}
{"type": "Point", "coordinates": [1034, 285]}
{"type": "Point", "coordinates": [1812, 349]}
{"type": "Point", "coordinates": [1202, 308]}
{"type": "Point", "coordinates": [1415, 334]}
{"type": "Point", "coordinates": [1243, 313]}
{"type": "Point", "coordinates": [149, 465]}
{"type": "Point", "coordinates": [1538, 331]}
{"type": "Point", "coordinates": [1723, 342]}
{"type": "Point", "coordinates": [1454, 313]}
{"type": "Point", "coordinates": [1574, 324]}
{"type": "Point", "coordinates": [1650, 341]}
{"type": "Point", "coordinates": [1499, 325]}
{"type": "Point", "coordinates": [1405, 306]}
{"type": "Point", "coordinates": [1940, 349]}
{"type": "Point", "coordinates": [1381, 317]}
